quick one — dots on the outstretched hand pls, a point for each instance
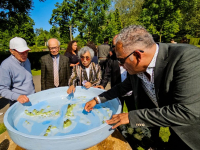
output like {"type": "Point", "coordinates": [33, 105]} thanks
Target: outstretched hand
{"type": "Point", "coordinates": [89, 105]}
{"type": "Point", "coordinates": [118, 120]}
{"type": "Point", "coordinates": [23, 99]}
{"type": "Point", "coordinates": [71, 89]}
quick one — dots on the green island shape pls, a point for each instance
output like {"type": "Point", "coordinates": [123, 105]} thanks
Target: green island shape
{"type": "Point", "coordinates": [67, 123]}
{"type": "Point", "coordinates": [69, 109]}
{"type": "Point", "coordinates": [49, 129]}
{"type": "Point", "coordinates": [41, 113]}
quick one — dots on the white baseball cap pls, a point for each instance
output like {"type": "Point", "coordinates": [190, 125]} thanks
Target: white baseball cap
{"type": "Point", "coordinates": [18, 44]}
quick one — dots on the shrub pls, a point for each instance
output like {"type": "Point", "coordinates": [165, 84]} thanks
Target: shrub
{"type": "Point", "coordinates": [2, 128]}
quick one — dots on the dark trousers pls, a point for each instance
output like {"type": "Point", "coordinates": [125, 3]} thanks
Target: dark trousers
{"type": "Point", "coordinates": [11, 102]}
{"type": "Point", "coordinates": [102, 64]}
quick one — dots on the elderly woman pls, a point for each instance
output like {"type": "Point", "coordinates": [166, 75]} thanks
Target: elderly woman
{"type": "Point", "coordinates": [87, 73]}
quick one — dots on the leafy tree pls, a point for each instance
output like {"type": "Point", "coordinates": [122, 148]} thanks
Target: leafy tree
{"type": "Point", "coordinates": [13, 8]}
{"type": "Point", "coordinates": [63, 18]}
{"type": "Point", "coordinates": [42, 37]}
{"type": "Point", "coordinates": [94, 17]}
{"type": "Point", "coordinates": [129, 11]}
{"type": "Point", "coordinates": [112, 26]}
{"type": "Point", "coordinates": [86, 15]}
{"type": "Point", "coordinates": [191, 17]}
{"type": "Point", "coordinates": [23, 27]}
{"type": "Point", "coordinates": [161, 17]}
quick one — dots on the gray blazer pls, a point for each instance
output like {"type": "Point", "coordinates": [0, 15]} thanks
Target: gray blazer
{"type": "Point", "coordinates": [103, 50]}
{"type": "Point", "coordinates": [177, 88]}
{"type": "Point", "coordinates": [47, 76]}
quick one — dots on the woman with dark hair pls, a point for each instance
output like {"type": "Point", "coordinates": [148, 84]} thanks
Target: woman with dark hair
{"type": "Point", "coordinates": [71, 53]}
{"type": "Point", "coordinates": [91, 45]}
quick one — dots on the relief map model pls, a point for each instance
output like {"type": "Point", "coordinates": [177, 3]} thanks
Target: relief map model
{"type": "Point", "coordinates": [60, 116]}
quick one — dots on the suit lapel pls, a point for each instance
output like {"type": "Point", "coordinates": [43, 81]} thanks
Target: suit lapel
{"type": "Point", "coordinates": [161, 63]}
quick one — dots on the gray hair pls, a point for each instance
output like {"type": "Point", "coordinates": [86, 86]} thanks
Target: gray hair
{"type": "Point", "coordinates": [52, 38]}
{"type": "Point", "coordinates": [135, 34]}
{"type": "Point", "coordinates": [84, 50]}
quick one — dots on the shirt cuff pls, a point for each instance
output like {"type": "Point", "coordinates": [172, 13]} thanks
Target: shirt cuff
{"type": "Point", "coordinates": [15, 96]}
{"type": "Point", "coordinates": [98, 99]}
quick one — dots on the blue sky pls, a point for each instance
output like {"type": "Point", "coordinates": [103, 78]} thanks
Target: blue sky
{"type": "Point", "coordinates": [42, 12]}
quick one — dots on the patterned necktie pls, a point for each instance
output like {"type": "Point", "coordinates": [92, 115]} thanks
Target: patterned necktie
{"type": "Point", "coordinates": [55, 71]}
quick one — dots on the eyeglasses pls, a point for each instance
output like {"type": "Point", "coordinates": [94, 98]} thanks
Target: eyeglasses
{"type": "Point", "coordinates": [122, 60]}
{"type": "Point", "coordinates": [52, 48]}
{"type": "Point", "coordinates": [87, 58]}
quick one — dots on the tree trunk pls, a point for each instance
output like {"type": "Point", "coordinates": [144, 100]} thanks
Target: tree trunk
{"type": "Point", "coordinates": [70, 30]}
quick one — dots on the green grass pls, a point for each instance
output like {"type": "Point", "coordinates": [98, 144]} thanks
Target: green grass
{"type": "Point", "coordinates": [125, 110]}
{"type": "Point", "coordinates": [36, 72]}
{"type": "Point", "coordinates": [2, 128]}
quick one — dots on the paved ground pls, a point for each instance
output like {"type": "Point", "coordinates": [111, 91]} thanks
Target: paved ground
{"type": "Point", "coordinates": [36, 79]}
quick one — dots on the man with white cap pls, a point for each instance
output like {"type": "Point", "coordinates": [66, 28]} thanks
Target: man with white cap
{"type": "Point", "coordinates": [16, 81]}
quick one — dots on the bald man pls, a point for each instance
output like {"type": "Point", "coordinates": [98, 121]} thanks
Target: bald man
{"type": "Point", "coordinates": [55, 70]}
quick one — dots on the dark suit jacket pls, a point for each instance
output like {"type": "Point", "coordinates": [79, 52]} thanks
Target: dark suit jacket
{"type": "Point", "coordinates": [112, 72]}
{"type": "Point", "coordinates": [177, 88]}
{"type": "Point", "coordinates": [47, 75]}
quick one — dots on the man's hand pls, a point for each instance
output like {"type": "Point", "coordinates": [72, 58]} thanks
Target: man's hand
{"type": "Point", "coordinates": [99, 86]}
{"type": "Point", "coordinates": [87, 85]}
{"type": "Point", "coordinates": [23, 99]}
{"type": "Point", "coordinates": [71, 89]}
{"type": "Point", "coordinates": [118, 120]}
{"type": "Point", "coordinates": [89, 105]}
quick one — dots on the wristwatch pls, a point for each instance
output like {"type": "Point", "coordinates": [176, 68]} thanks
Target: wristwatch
{"type": "Point", "coordinates": [96, 100]}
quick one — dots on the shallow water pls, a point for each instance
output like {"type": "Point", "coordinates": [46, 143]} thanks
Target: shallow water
{"type": "Point", "coordinates": [50, 120]}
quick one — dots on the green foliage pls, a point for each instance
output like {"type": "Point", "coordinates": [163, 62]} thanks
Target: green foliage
{"type": "Point", "coordinates": [140, 148]}
{"type": "Point", "coordinates": [164, 134]}
{"type": "Point", "coordinates": [111, 27]}
{"type": "Point", "coordinates": [194, 41]}
{"type": "Point", "coordinates": [62, 52]}
{"type": "Point", "coordinates": [161, 17]}
{"type": "Point", "coordinates": [23, 28]}
{"type": "Point", "coordinates": [125, 109]}
{"type": "Point", "coordinates": [63, 47]}
{"type": "Point", "coordinates": [129, 11]}
{"type": "Point", "coordinates": [63, 16]}
{"type": "Point", "coordinates": [137, 137]}
{"type": "Point", "coordinates": [88, 16]}
{"type": "Point", "coordinates": [2, 128]}
{"type": "Point", "coordinates": [36, 72]}
{"type": "Point", "coordinates": [191, 17]}
{"type": "Point", "coordinates": [37, 49]}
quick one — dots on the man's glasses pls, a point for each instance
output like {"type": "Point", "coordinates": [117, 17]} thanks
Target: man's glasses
{"type": "Point", "coordinates": [122, 60]}
{"type": "Point", "coordinates": [87, 58]}
{"type": "Point", "coordinates": [52, 48]}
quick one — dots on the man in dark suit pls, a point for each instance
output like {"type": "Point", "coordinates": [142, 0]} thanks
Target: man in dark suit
{"type": "Point", "coordinates": [116, 74]}
{"type": "Point", "coordinates": [55, 71]}
{"type": "Point", "coordinates": [165, 80]}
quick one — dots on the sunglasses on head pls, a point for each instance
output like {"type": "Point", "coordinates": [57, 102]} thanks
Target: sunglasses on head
{"type": "Point", "coordinates": [122, 60]}
{"type": "Point", "coordinates": [83, 57]}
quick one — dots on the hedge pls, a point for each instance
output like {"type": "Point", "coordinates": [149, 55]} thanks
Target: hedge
{"type": "Point", "coordinates": [34, 58]}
